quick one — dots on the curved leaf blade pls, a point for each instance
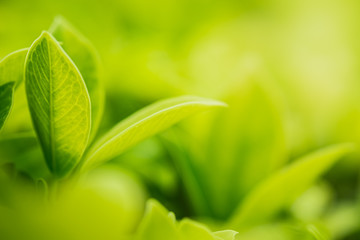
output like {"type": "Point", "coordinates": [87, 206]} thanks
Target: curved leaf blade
{"type": "Point", "coordinates": [191, 230]}
{"type": "Point", "coordinates": [143, 124]}
{"type": "Point", "coordinates": [59, 104]}
{"type": "Point", "coordinates": [6, 99]}
{"type": "Point", "coordinates": [84, 55]}
{"type": "Point", "coordinates": [157, 224]}
{"type": "Point", "coordinates": [282, 188]}
{"type": "Point", "coordinates": [227, 235]}
{"type": "Point", "coordinates": [250, 134]}
{"type": "Point", "coordinates": [12, 67]}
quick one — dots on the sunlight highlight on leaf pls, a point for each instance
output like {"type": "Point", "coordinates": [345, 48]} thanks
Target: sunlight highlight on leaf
{"type": "Point", "coordinates": [143, 124]}
{"type": "Point", "coordinates": [59, 104]}
{"type": "Point", "coordinates": [84, 55]}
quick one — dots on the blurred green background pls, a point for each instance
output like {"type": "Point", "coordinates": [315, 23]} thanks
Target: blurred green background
{"type": "Point", "coordinates": [289, 70]}
{"type": "Point", "coordinates": [306, 50]}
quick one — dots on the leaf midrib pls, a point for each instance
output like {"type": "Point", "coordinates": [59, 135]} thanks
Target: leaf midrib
{"type": "Point", "coordinates": [51, 117]}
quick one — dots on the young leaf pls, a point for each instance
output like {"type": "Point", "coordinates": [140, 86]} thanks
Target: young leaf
{"type": "Point", "coordinates": [226, 235]}
{"type": "Point", "coordinates": [143, 124]}
{"type": "Point", "coordinates": [282, 188]}
{"type": "Point", "coordinates": [12, 67]}
{"type": "Point", "coordinates": [191, 230]}
{"type": "Point", "coordinates": [250, 134]}
{"type": "Point", "coordinates": [59, 104]}
{"type": "Point", "coordinates": [157, 224]}
{"type": "Point", "coordinates": [86, 59]}
{"type": "Point", "coordinates": [6, 95]}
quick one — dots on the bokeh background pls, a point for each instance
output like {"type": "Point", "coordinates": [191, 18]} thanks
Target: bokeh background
{"type": "Point", "coordinates": [306, 50]}
{"type": "Point", "coordinates": [289, 70]}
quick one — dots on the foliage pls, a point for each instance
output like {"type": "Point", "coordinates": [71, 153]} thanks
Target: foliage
{"type": "Point", "coordinates": [64, 175]}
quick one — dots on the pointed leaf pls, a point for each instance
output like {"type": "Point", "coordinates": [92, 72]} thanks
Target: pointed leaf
{"type": "Point", "coordinates": [82, 52]}
{"type": "Point", "coordinates": [6, 96]}
{"type": "Point", "coordinates": [191, 230]}
{"type": "Point", "coordinates": [226, 235]}
{"type": "Point", "coordinates": [250, 134]}
{"type": "Point", "coordinates": [12, 67]}
{"type": "Point", "coordinates": [59, 104]}
{"type": "Point", "coordinates": [157, 224]}
{"type": "Point", "coordinates": [282, 188]}
{"type": "Point", "coordinates": [143, 124]}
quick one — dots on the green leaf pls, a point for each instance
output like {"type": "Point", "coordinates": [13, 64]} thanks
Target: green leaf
{"type": "Point", "coordinates": [6, 96]}
{"type": "Point", "coordinates": [279, 230]}
{"type": "Point", "coordinates": [143, 124]}
{"type": "Point", "coordinates": [177, 143]}
{"type": "Point", "coordinates": [59, 104]}
{"type": "Point", "coordinates": [226, 235]}
{"type": "Point", "coordinates": [282, 188]}
{"type": "Point", "coordinates": [157, 224]}
{"type": "Point", "coordinates": [23, 151]}
{"type": "Point", "coordinates": [319, 232]}
{"type": "Point", "coordinates": [191, 230]}
{"type": "Point", "coordinates": [12, 67]}
{"type": "Point", "coordinates": [84, 55]}
{"type": "Point", "coordinates": [250, 134]}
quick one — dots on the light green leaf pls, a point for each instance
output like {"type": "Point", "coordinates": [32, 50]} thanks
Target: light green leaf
{"type": "Point", "coordinates": [176, 143]}
{"type": "Point", "coordinates": [157, 224]}
{"type": "Point", "coordinates": [319, 232]}
{"type": "Point", "coordinates": [343, 219]}
{"type": "Point", "coordinates": [283, 230]}
{"type": "Point", "coordinates": [59, 104]}
{"type": "Point", "coordinates": [143, 124]}
{"type": "Point", "coordinates": [191, 230]}
{"type": "Point", "coordinates": [6, 96]}
{"type": "Point", "coordinates": [12, 67]}
{"type": "Point", "coordinates": [226, 235]}
{"type": "Point", "coordinates": [282, 188]}
{"type": "Point", "coordinates": [250, 134]}
{"type": "Point", "coordinates": [84, 55]}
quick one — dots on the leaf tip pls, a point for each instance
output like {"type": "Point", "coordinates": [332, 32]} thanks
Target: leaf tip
{"type": "Point", "coordinates": [45, 35]}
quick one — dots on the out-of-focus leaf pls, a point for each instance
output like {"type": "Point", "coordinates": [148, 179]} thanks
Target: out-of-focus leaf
{"type": "Point", "coordinates": [191, 230]}
{"type": "Point", "coordinates": [106, 204]}
{"type": "Point", "coordinates": [313, 203]}
{"type": "Point", "coordinates": [143, 124]}
{"type": "Point", "coordinates": [282, 188]}
{"type": "Point", "coordinates": [318, 232]}
{"type": "Point", "coordinates": [249, 134]}
{"type": "Point", "coordinates": [85, 57]}
{"type": "Point", "coordinates": [227, 235]}
{"type": "Point", "coordinates": [178, 144]}
{"type": "Point", "coordinates": [343, 220]}
{"type": "Point", "coordinates": [157, 224]}
{"type": "Point", "coordinates": [24, 152]}
{"type": "Point", "coordinates": [6, 99]}
{"type": "Point", "coordinates": [59, 104]}
{"type": "Point", "coordinates": [12, 70]}
{"type": "Point", "coordinates": [277, 230]}
{"type": "Point", "coordinates": [12, 67]}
